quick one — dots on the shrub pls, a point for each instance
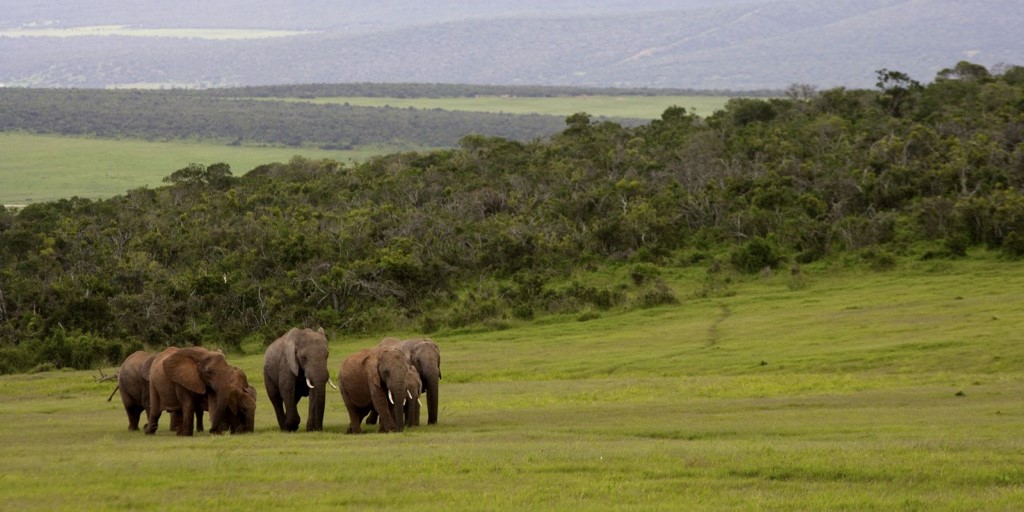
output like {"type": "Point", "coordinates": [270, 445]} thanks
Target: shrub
{"type": "Point", "coordinates": [758, 253]}
{"type": "Point", "coordinates": [657, 295]}
{"type": "Point", "coordinates": [1013, 245]}
{"type": "Point", "coordinates": [643, 273]}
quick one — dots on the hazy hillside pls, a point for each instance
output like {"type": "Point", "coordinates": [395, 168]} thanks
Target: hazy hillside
{"type": "Point", "coordinates": [698, 44]}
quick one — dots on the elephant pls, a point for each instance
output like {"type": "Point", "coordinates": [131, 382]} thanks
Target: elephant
{"type": "Point", "coordinates": [294, 366]}
{"type": "Point", "coordinates": [372, 380]}
{"type": "Point", "coordinates": [133, 383]}
{"type": "Point", "coordinates": [180, 379]}
{"type": "Point", "coordinates": [240, 411]}
{"type": "Point", "coordinates": [413, 387]}
{"type": "Point", "coordinates": [426, 357]}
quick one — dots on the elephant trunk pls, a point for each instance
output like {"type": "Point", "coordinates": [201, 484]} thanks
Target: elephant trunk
{"type": "Point", "coordinates": [398, 411]}
{"type": "Point", "coordinates": [431, 385]}
{"type": "Point", "coordinates": [317, 398]}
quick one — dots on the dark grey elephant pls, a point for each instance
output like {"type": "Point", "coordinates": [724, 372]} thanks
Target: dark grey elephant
{"type": "Point", "coordinates": [426, 357]}
{"type": "Point", "coordinates": [181, 379]}
{"type": "Point", "coordinates": [133, 383]}
{"type": "Point", "coordinates": [375, 379]}
{"type": "Point", "coordinates": [295, 366]}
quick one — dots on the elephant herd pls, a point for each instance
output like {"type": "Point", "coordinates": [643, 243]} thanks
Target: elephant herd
{"type": "Point", "coordinates": [381, 384]}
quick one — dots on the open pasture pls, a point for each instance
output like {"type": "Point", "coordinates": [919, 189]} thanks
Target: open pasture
{"type": "Point", "coordinates": [632, 107]}
{"type": "Point", "coordinates": [898, 390]}
{"type": "Point", "coordinates": [37, 168]}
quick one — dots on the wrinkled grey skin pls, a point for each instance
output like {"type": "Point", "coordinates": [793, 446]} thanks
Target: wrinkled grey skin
{"type": "Point", "coordinates": [133, 384]}
{"type": "Point", "coordinates": [425, 355]}
{"type": "Point", "coordinates": [375, 379]}
{"type": "Point", "coordinates": [297, 357]}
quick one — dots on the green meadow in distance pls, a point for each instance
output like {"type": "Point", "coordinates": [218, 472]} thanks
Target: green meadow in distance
{"type": "Point", "coordinates": [633, 107]}
{"type": "Point", "coordinates": [38, 168]}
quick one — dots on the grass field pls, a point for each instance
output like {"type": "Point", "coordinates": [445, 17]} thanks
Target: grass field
{"type": "Point", "coordinates": [635, 107]}
{"type": "Point", "coordinates": [37, 168]}
{"type": "Point", "coordinates": [840, 389]}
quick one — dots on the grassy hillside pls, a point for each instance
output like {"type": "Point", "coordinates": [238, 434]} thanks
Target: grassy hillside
{"type": "Point", "coordinates": [38, 168]}
{"type": "Point", "coordinates": [834, 389]}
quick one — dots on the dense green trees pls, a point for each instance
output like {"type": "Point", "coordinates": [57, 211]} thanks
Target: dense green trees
{"type": "Point", "coordinates": [498, 229]}
{"type": "Point", "coordinates": [206, 115]}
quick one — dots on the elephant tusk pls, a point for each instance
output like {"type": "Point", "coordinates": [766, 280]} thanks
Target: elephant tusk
{"type": "Point", "coordinates": [308, 383]}
{"type": "Point", "coordinates": [391, 398]}
{"type": "Point", "coordinates": [407, 392]}
{"type": "Point", "coordinates": [331, 382]}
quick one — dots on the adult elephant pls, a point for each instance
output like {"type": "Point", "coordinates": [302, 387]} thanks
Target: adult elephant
{"type": "Point", "coordinates": [133, 383]}
{"type": "Point", "coordinates": [180, 379]}
{"type": "Point", "coordinates": [426, 357]}
{"type": "Point", "coordinates": [294, 366]}
{"type": "Point", "coordinates": [375, 379]}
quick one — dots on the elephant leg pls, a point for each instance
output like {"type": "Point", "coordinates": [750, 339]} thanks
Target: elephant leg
{"type": "Point", "coordinates": [274, 394]}
{"type": "Point", "coordinates": [187, 420]}
{"type": "Point", "coordinates": [355, 419]}
{"type": "Point", "coordinates": [175, 421]}
{"type": "Point", "coordinates": [134, 412]}
{"type": "Point", "coordinates": [291, 408]}
{"type": "Point", "coordinates": [153, 415]}
{"type": "Point", "coordinates": [372, 418]}
{"type": "Point", "coordinates": [153, 422]}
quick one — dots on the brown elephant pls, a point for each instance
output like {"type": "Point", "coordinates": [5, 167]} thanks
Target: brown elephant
{"type": "Point", "coordinates": [375, 379]}
{"type": "Point", "coordinates": [133, 383]}
{"type": "Point", "coordinates": [294, 366]}
{"type": "Point", "coordinates": [425, 355]}
{"type": "Point", "coordinates": [181, 378]}
{"type": "Point", "coordinates": [413, 389]}
{"type": "Point", "coordinates": [240, 410]}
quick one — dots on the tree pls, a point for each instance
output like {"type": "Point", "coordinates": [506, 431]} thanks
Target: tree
{"type": "Point", "coordinates": [898, 90]}
{"type": "Point", "coordinates": [216, 175]}
{"type": "Point", "coordinates": [964, 70]}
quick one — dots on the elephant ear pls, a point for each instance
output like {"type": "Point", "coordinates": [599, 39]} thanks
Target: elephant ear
{"type": "Point", "coordinates": [181, 367]}
{"type": "Point", "coordinates": [290, 354]}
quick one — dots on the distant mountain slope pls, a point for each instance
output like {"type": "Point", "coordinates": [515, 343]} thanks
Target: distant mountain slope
{"type": "Point", "coordinates": [752, 44]}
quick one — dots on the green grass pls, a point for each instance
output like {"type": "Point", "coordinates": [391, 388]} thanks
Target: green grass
{"type": "Point", "coordinates": [635, 107]}
{"type": "Point", "coordinates": [897, 390]}
{"type": "Point", "coordinates": [37, 168]}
